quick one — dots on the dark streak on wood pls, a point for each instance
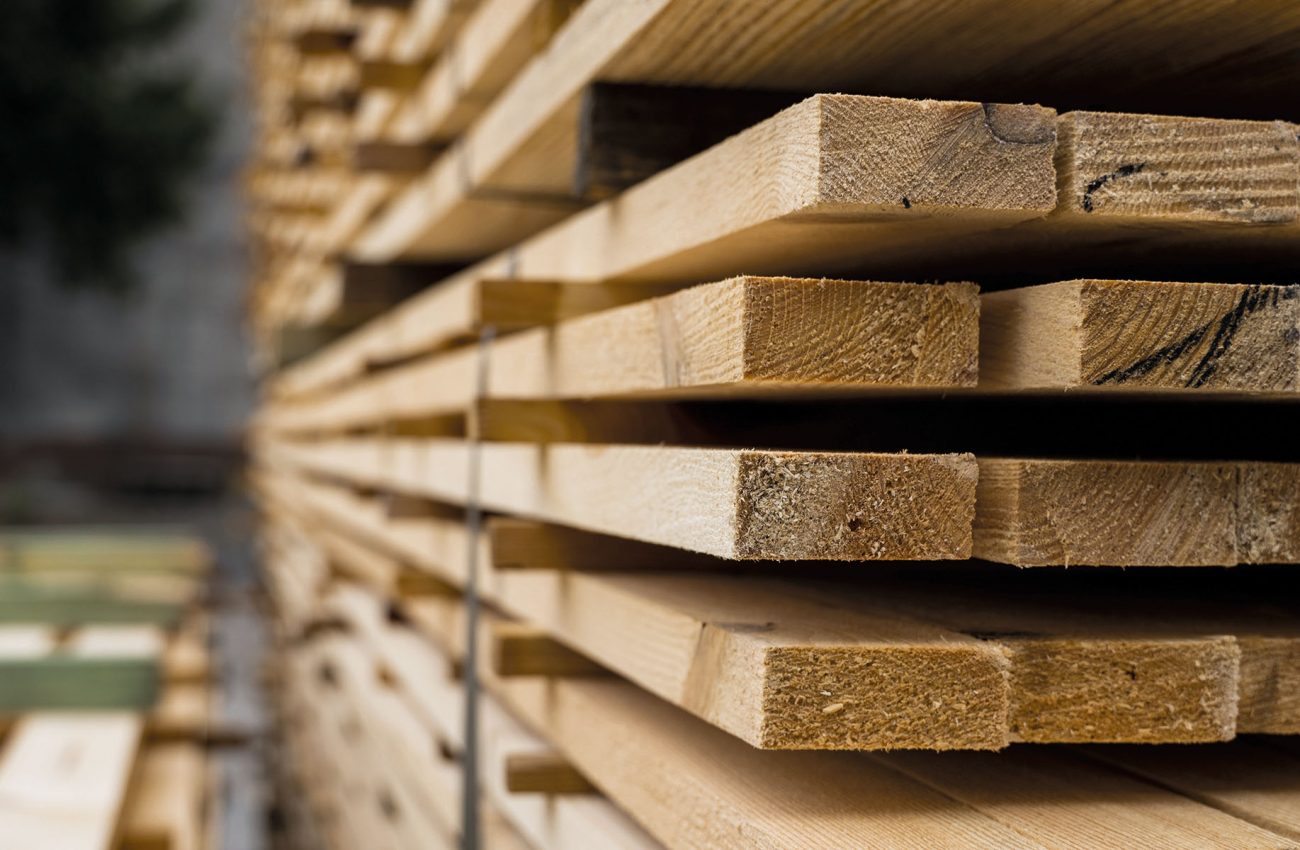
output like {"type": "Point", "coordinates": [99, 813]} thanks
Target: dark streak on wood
{"type": "Point", "coordinates": [1252, 301]}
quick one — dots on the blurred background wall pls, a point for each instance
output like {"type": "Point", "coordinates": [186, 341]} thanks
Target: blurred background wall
{"type": "Point", "coordinates": [153, 384]}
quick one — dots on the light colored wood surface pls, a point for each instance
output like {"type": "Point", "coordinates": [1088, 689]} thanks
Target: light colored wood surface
{"type": "Point", "coordinates": [690, 785]}
{"type": "Point", "coordinates": [731, 208]}
{"type": "Point", "coordinates": [1141, 335]}
{"type": "Point", "coordinates": [730, 503]}
{"type": "Point", "coordinates": [1158, 513]}
{"type": "Point", "coordinates": [524, 142]}
{"type": "Point", "coordinates": [1079, 668]}
{"type": "Point", "coordinates": [1065, 802]}
{"type": "Point", "coordinates": [777, 670]}
{"type": "Point", "coordinates": [1250, 780]}
{"type": "Point", "coordinates": [63, 779]}
{"type": "Point", "coordinates": [744, 336]}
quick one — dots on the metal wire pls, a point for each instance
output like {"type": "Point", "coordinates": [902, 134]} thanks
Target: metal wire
{"type": "Point", "coordinates": [470, 810]}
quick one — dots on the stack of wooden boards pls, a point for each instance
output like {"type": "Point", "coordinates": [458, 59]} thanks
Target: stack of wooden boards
{"type": "Point", "coordinates": [104, 710]}
{"type": "Point", "coordinates": [738, 510]}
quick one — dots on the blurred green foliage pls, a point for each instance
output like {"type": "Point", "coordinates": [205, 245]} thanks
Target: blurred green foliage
{"type": "Point", "coordinates": [100, 131]}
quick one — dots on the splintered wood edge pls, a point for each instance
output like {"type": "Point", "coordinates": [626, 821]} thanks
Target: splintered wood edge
{"type": "Point", "coordinates": [865, 507]}
{"type": "Point", "coordinates": [885, 697]}
{"type": "Point", "coordinates": [1123, 690]}
{"type": "Point", "coordinates": [1142, 335]}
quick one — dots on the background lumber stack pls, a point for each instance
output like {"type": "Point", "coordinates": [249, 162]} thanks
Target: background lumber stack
{"type": "Point", "coordinates": [110, 699]}
{"type": "Point", "coordinates": [719, 366]}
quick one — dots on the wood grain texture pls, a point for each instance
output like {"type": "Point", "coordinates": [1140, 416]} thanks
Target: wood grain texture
{"type": "Point", "coordinates": [1082, 667]}
{"type": "Point", "coordinates": [734, 207]}
{"type": "Point", "coordinates": [498, 39]}
{"type": "Point", "coordinates": [855, 157]}
{"type": "Point", "coordinates": [527, 140]}
{"type": "Point", "coordinates": [776, 668]}
{"type": "Point", "coordinates": [1062, 801]}
{"type": "Point", "coordinates": [1154, 167]}
{"type": "Point", "coordinates": [730, 503]}
{"type": "Point", "coordinates": [1111, 513]}
{"type": "Point", "coordinates": [1142, 335]}
{"type": "Point", "coordinates": [740, 336]}
{"type": "Point", "coordinates": [1249, 780]}
{"type": "Point", "coordinates": [690, 785]}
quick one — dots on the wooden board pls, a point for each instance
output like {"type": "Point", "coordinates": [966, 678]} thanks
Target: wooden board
{"type": "Point", "coordinates": [1141, 336]}
{"type": "Point", "coordinates": [688, 784]}
{"type": "Point", "coordinates": [496, 42]}
{"type": "Point", "coordinates": [1109, 513]}
{"type": "Point", "coordinates": [962, 168]}
{"type": "Point", "coordinates": [741, 200]}
{"type": "Point", "coordinates": [744, 336]}
{"type": "Point", "coordinates": [779, 672]}
{"type": "Point", "coordinates": [730, 503]}
{"type": "Point", "coordinates": [164, 809]}
{"type": "Point", "coordinates": [63, 779]}
{"type": "Point", "coordinates": [1250, 780]}
{"type": "Point", "coordinates": [1063, 802]}
{"type": "Point", "coordinates": [527, 140]}
{"type": "Point", "coordinates": [1083, 665]}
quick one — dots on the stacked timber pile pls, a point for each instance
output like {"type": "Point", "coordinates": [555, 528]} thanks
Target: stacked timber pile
{"type": "Point", "coordinates": [104, 710]}
{"type": "Point", "coordinates": [741, 358]}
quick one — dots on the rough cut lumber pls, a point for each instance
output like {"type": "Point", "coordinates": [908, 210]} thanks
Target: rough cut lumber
{"type": "Point", "coordinates": [566, 813]}
{"type": "Point", "coordinates": [735, 504]}
{"type": "Point", "coordinates": [910, 673]}
{"type": "Point", "coordinates": [729, 209]}
{"type": "Point", "coordinates": [515, 544]}
{"type": "Point", "coordinates": [1249, 780]}
{"type": "Point", "coordinates": [1062, 801]}
{"type": "Point", "coordinates": [452, 312]}
{"type": "Point", "coordinates": [764, 332]}
{"type": "Point", "coordinates": [527, 140]}
{"type": "Point", "coordinates": [1142, 335]}
{"type": "Point", "coordinates": [690, 785]}
{"type": "Point", "coordinates": [1113, 513]}
{"type": "Point", "coordinates": [393, 157]}
{"type": "Point", "coordinates": [409, 752]}
{"type": "Point", "coordinates": [63, 779]}
{"type": "Point", "coordinates": [743, 336]}
{"type": "Point", "coordinates": [425, 676]}
{"type": "Point", "coordinates": [1088, 662]}
{"type": "Point", "coordinates": [852, 160]}
{"type": "Point", "coordinates": [776, 670]}
{"type": "Point", "coordinates": [427, 27]}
